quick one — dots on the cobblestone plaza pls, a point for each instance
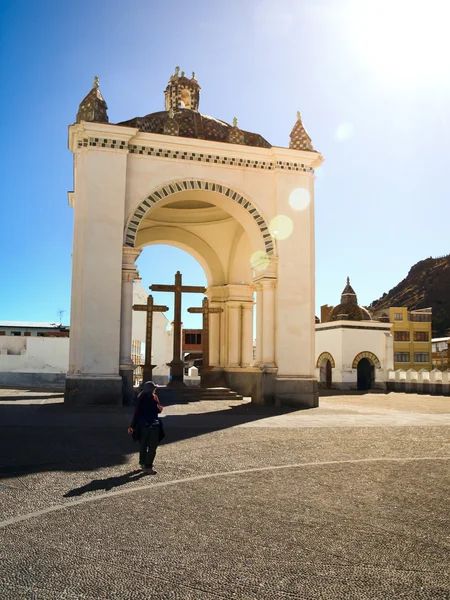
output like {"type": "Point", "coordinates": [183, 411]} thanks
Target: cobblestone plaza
{"type": "Point", "coordinates": [348, 500]}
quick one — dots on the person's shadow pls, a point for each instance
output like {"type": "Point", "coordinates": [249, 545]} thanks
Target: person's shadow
{"type": "Point", "coordinates": [106, 484]}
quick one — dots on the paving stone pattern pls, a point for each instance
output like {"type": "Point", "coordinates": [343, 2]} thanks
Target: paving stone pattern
{"type": "Point", "coordinates": [247, 504]}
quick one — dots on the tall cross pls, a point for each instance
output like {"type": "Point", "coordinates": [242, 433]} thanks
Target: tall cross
{"type": "Point", "coordinates": [177, 365]}
{"type": "Point", "coordinates": [205, 311]}
{"type": "Point", "coordinates": [149, 308]}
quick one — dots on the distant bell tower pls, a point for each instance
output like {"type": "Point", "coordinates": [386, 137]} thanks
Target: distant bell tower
{"type": "Point", "coordinates": [182, 92]}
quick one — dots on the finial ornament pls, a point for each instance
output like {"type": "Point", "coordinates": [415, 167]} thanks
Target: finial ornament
{"type": "Point", "coordinates": [235, 122]}
{"type": "Point", "coordinates": [193, 74]}
{"type": "Point", "coordinates": [177, 70]}
{"type": "Point", "coordinates": [182, 73]}
{"type": "Point", "coordinates": [348, 280]}
{"type": "Point", "coordinates": [299, 116]}
{"type": "Point", "coordinates": [96, 83]}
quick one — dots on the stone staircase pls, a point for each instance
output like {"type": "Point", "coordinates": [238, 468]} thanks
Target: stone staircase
{"type": "Point", "coordinates": [195, 394]}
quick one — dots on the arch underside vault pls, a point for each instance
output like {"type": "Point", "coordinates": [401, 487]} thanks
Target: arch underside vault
{"type": "Point", "coordinates": [215, 224]}
{"type": "Point", "coordinates": [199, 185]}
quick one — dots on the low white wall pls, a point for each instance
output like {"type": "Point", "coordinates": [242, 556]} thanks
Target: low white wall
{"type": "Point", "coordinates": [34, 354]}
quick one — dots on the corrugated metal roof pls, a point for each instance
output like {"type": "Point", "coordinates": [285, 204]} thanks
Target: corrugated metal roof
{"type": "Point", "coordinates": [31, 324]}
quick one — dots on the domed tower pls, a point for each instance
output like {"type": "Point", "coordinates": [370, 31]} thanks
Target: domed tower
{"type": "Point", "coordinates": [182, 92]}
{"type": "Point", "coordinates": [93, 108]}
{"type": "Point", "coordinates": [349, 308]}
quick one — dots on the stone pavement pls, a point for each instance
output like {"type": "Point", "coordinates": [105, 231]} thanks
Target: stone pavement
{"type": "Point", "coordinates": [346, 501]}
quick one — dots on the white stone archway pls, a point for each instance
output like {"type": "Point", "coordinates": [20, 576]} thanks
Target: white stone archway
{"type": "Point", "coordinates": [213, 190]}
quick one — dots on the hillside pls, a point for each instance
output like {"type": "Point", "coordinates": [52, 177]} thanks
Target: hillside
{"type": "Point", "coordinates": [427, 284]}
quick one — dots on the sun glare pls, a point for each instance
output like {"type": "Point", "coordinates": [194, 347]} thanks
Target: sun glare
{"type": "Point", "coordinates": [402, 41]}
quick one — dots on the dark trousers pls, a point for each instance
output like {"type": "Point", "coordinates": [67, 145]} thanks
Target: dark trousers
{"type": "Point", "coordinates": [149, 439]}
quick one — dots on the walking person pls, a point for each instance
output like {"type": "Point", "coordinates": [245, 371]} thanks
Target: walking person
{"type": "Point", "coordinates": [146, 427]}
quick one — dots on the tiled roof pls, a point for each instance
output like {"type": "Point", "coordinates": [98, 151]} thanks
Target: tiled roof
{"type": "Point", "coordinates": [192, 124]}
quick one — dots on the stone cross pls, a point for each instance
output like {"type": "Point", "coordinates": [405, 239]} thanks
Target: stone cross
{"type": "Point", "coordinates": [205, 311]}
{"type": "Point", "coordinates": [177, 365]}
{"type": "Point", "coordinates": [149, 308]}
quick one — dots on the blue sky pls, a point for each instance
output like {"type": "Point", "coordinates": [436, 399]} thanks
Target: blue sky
{"type": "Point", "coordinates": [370, 78]}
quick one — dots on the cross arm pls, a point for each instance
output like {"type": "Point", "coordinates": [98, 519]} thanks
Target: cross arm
{"type": "Point", "coordinates": [142, 307]}
{"type": "Point", "coordinates": [162, 288]}
{"type": "Point", "coordinates": [159, 308]}
{"type": "Point", "coordinates": [197, 310]}
{"type": "Point", "coordinates": [193, 289]}
{"type": "Point", "coordinates": [155, 307]}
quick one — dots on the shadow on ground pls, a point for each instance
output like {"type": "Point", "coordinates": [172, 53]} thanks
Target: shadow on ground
{"type": "Point", "coordinates": [38, 438]}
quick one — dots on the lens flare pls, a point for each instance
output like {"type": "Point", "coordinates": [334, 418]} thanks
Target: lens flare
{"type": "Point", "coordinates": [259, 260]}
{"type": "Point", "coordinates": [281, 227]}
{"type": "Point", "coordinates": [343, 132]}
{"type": "Point", "coordinates": [299, 199]}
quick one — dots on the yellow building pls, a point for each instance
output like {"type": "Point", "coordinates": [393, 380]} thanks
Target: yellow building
{"type": "Point", "coordinates": [412, 338]}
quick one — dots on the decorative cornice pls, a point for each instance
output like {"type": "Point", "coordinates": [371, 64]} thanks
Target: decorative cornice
{"type": "Point", "coordinates": [220, 159]}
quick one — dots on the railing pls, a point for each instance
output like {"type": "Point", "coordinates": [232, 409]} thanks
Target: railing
{"type": "Point", "coordinates": [435, 382]}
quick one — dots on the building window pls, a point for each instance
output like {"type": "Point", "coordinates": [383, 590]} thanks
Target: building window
{"type": "Point", "coordinates": [401, 336]}
{"type": "Point", "coordinates": [16, 333]}
{"type": "Point", "coordinates": [421, 336]}
{"type": "Point", "coordinates": [194, 339]}
{"type": "Point", "coordinates": [2, 332]}
{"type": "Point", "coordinates": [40, 334]}
{"type": "Point", "coordinates": [420, 317]}
{"type": "Point", "coordinates": [421, 357]}
{"type": "Point", "coordinates": [398, 316]}
{"type": "Point", "coordinates": [401, 357]}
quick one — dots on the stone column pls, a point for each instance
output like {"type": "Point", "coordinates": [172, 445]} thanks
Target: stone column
{"type": "Point", "coordinates": [268, 337]}
{"type": "Point", "coordinates": [233, 334]}
{"type": "Point", "coordinates": [129, 273]}
{"type": "Point", "coordinates": [259, 324]}
{"type": "Point", "coordinates": [214, 336]}
{"type": "Point", "coordinates": [247, 335]}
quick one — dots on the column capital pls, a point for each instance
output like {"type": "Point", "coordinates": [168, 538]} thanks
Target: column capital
{"type": "Point", "coordinates": [130, 254]}
{"type": "Point", "coordinates": [267, 283]}
{"type": "Point", "coordinates": [129, 275]}
{"type": "Point", "coordinates": [248, 305]}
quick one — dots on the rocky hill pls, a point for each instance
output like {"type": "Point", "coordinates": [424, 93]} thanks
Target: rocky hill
{"type": "Point", "coordinates": [427, 284]}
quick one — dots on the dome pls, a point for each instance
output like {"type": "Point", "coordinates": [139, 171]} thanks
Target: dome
{"type": "Point", "coordinates": [192, 124]}
{"type": "Point", "coordinates": [348, 309]}
{"type": "Point", "coordinates": [182, 117]}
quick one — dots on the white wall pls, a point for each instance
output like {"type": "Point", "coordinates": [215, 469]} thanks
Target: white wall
{"type": "Point", "coordinates": [38, 354]}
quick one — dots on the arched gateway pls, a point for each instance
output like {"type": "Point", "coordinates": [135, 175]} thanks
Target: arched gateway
{"type": "Point", "coordinates": [242, 208]}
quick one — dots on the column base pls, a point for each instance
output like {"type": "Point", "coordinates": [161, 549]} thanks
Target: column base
{"type": "Point", "coordinates": [176, 378]}
{"type": "Point", "coordinates": [298, 392]}
{"type": "Point", "coordinates": [128, 395]}
{"type": "Point", "coordinates": [85, 390]}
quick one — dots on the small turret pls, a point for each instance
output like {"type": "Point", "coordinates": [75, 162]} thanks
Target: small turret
{"type": "Point", "coordinates": [93, 107]}
{"type": "Point", "coordinates": [300, 139]}
{"type": "Point", "coordinates": [182, 92]}
{"type": "Point", "coordinates": [235, 135]}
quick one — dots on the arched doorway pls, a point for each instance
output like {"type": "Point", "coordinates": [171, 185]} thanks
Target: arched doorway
{"type": "Point", "coordinates": [365, 374]}
{"type": "Point", "coordinates": [325, 363]}
{"type": "Point", "coordinates": [326, 378]}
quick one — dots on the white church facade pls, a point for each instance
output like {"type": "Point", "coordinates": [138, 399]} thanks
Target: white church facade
{"type": "Point", "coordinates": [353, 351]}
{"type": "Point", "coordinates": [242, 208]}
